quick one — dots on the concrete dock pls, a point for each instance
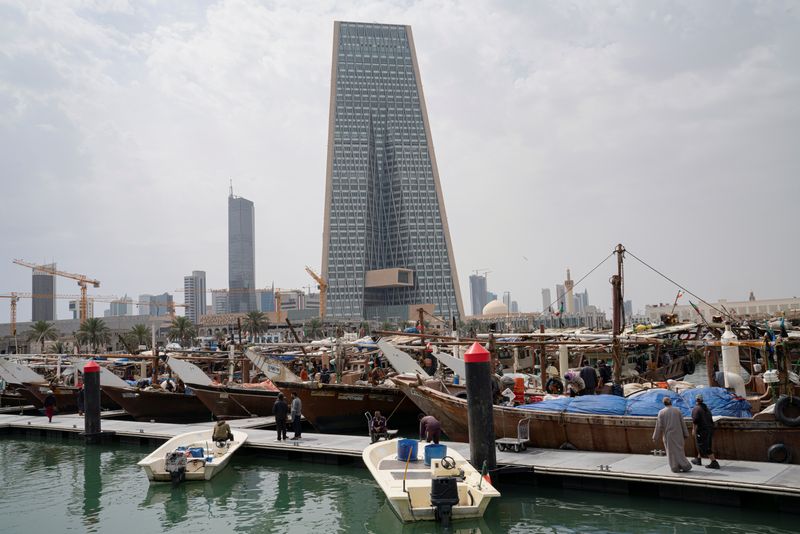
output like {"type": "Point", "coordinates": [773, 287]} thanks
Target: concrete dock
{"type": "Point", "coordinates": [736, 483]}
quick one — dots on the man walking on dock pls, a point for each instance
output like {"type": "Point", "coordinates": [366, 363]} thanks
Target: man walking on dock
{"type": "Point", "coordinates": [49, 405]}
{"type": "Point", "coordinates": [297, 407]}
{"type": "Point", "coordinates": [280, 410]}
{"type": "Point", "coordinates": [670, 427]}
{"type": "Point", "coordinates": [703, 431]}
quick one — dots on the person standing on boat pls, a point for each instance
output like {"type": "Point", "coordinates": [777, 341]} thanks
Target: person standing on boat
{"type": "Point", "coordinates": [430, 429]}
{"type": "Point", "coordinates": [703, 431]}
{"type": "Point", "coordinates": [670, 428]}
{"type": "Point", "coordinates": [280, 410]}
{"type": "Point", "coordinates": [297, 408]}
{"type": "Point", "coordinates": [50, 405]}
{"type": "Point", "coordinates": [589, 376]}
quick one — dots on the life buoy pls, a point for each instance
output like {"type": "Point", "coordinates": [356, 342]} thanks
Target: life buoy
{"type": "Point", "coordinates": [688, 366]}
{"type": "Point", "coordinates": [779, 454]}
{"type": "Point", "coordinates": [780, 410]}
{"type": "Point", "coordinates": [554, 385]}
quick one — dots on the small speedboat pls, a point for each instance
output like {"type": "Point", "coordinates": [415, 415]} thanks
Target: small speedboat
{"type": "Point", "coordinates": [449, 489]}
{"type": "Point", "coordinates": [191, 456]}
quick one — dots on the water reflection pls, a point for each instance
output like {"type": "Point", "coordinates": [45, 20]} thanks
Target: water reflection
{"type": "Point", "coordinates": [92, 487]}
{"type": "Point", "coordinates": [384, 520]}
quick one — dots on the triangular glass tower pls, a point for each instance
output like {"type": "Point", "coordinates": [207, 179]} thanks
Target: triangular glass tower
{"type": "Point", "coordinates": [386, 245]}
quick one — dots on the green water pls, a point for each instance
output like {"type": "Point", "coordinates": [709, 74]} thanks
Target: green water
{"type": "Point", "coordinates": [60, 486]}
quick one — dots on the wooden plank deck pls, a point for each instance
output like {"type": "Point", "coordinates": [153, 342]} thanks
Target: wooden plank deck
{"type": "Point", "coordinates": [740, 476]}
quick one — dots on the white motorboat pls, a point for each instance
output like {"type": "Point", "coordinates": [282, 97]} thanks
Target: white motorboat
{"type": "Point", "coordinates": [191, 456]}
{"type": "Point", "coordinates": [450, 488]}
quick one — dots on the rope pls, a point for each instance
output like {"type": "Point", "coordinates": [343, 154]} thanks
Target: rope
{"type": "Point", "coordinates": [677, 284]}
{"type": "Point", "coordinates": [395, 408]}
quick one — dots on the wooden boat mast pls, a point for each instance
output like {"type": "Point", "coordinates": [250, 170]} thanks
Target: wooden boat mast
{"type": "Point", "coordinates": [618, 323]}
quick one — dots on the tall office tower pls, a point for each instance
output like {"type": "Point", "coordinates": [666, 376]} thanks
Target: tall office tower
{"type": "Point", "coordinates": [219, 302]}
{"type": "Point", "coordinates": [121, 307]}
{"type": "Point", "coordinates": [561, 305]}
{"type": "Point", "coordinates": [627, 308]}
{"type": "Point", "coordinates": [582, 300]}
{"type": "Point", "coordinates": [75, 308]}
{"type": "Point", "coordinates": [194, 295]}
{"type": "Point", "coordinates": [161, 304]}
{"type": "Point", "coordinates": [546, 302]}
{"type": "Point", "coordinates": [266, 300]}
{"type": "Point", "coordinates": [490, 297]}
{"type": "Point", "coordinates": [386, 243]}
{"type": "Point", "coordinates": [241, 255]}
{"type": "Point", "coordinates": [144, 304]}
{"type": "Point", "coordinates": [43, 287]}
{"type": "Point", "coordinates": [477, 293]}
{"type": "Point", "coordinates": [568, 285]}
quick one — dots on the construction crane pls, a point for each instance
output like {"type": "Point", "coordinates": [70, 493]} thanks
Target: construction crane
{"type": "Point", "coordinates": [322, 285]}
{"type": "Point", "coordinates": [83, 282]}
{"type": "Point", "coordinates": [14, 297]}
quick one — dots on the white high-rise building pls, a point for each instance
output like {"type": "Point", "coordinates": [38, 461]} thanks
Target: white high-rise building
{"type": "Point", "coordinates": [219, 302]}
{"type": "Point", "coordinates": [547, 300]}
{"type": "Point", "coordinates": [194, 295]}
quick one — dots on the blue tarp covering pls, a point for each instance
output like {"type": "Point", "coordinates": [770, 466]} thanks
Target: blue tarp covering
{"type": "Point", "coordinates": [647, 403]}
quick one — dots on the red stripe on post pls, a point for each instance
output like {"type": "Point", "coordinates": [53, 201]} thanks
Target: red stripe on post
{"type": "Point", "coordinates": [476, 354]}
{"type": "Point", "coordinates": [91, 367]}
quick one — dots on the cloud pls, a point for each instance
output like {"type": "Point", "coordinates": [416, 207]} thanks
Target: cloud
{"type": "Point", "coordinates": [561, 128]}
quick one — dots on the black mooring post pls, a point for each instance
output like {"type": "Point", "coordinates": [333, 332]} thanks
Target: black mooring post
{"type": "Point", "coordinates": [480, 406]}
{"type": "Point", "coordinates": [91, 399]}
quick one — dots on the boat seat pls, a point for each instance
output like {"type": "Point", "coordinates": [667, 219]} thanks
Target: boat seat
{"type": "Point", "coordinates": [390, 464]}
{"type": "Point", "coordinates": [411, 475]}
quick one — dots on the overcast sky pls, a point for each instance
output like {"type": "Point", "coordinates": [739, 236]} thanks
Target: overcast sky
{"type": "Point", "coordinates": [560, 128]}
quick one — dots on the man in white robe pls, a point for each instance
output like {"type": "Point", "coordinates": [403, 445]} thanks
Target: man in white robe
{"type": "Point", "coordinates": [670, 427]}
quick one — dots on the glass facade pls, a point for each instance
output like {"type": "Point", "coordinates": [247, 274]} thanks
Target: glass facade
{"type": "Point", "coordinates": [241, 255]}
{"type": "Point", "coordinates": [383, 194]}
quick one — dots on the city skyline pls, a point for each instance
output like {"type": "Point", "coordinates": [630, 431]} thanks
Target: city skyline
{"type": "Point", "coordinates": [618, 111]}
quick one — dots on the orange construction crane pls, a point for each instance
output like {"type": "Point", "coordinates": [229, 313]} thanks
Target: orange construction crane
{"type": "Point", "coordinates": [14, 297]}
{"type": "Point", "coordinates": [323, 290]}
{"type": "Point", "coordinates": [83, 282]}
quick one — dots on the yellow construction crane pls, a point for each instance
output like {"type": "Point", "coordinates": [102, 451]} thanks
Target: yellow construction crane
{"type": "Point", "coordinates": [323, 290]}
{"type": "Point", "coordinates": [14, 299]}
{"type": "Point", "coordinates": [83, 282]}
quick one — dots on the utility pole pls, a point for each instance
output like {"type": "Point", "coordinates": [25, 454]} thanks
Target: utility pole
{"type": "Point", "coordinates": [617, 291]}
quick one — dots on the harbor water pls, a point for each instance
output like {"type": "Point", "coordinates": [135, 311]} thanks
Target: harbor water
{"type": "Point", "coordinates": [58, 486]}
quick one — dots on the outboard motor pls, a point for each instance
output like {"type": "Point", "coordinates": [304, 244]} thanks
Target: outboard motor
{"type": "Point", "coordinates": [444, 488]}
{"type": "Point", "coordinates": [175, 465]}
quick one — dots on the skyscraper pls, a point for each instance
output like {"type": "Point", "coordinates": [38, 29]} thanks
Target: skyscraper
{"type": "Point", "coordinates": [568, 285]}
{"type": "Point", "coordinates": [241, 255]}
{"type": "Point", "coordinates": [561, 305]}
{"type": "Point", "coordinates": [546, 300]}
{"type": "Point", "coordinates": [477, 293]}
{"type": "Point", "coordinates": [219, 302]}
{"type": "Point", "coordinates": [194, 295]}
{"type": "Point", "coordinates": [386, 242]}
{"type": "Point", "coordinates": [43, 287]}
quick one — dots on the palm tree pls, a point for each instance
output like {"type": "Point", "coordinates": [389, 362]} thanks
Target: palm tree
{"type": "Point", "coordinates": [141, 333]}
{"type": "Point", "coordinates": [94, 332]}
{"type": "Point", "coordinates": [314, 328]}
{"type": "Point", "coordinates": [59, 347]}
{"type": "Point", "coordinates": [42, 331]}
{"type": "Point", "coordinates": [256, 323]}
{"type": "Point", "coordinates": [181, 330]}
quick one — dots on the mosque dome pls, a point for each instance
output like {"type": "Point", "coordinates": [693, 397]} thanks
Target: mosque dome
{"type": "Point", "coordinates": [496, 307]}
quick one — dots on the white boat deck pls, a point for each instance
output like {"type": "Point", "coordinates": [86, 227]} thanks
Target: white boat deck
{"type": "Point", "coordinates": [752, 477]}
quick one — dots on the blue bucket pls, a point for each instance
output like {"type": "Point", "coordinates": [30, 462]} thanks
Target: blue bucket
{"type": "Point", "coordinates": [406, 446]}
{"type": "Point", "coordinates": [434, 451]}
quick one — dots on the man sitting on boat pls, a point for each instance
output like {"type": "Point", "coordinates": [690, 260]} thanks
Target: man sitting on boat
{"type": "Point", "coordinates": [222, 431]}
{"type": "Point", "coordinates": [430, 429]}
{"type": "Point", "coordinates": [378, 423]}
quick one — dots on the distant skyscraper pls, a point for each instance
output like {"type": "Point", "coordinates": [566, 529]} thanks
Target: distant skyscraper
{"type": "Point", "coordinates": [514, 307]}
{"type": "Point", "coordinates": [144, 306]}
{"type": "Point", "coordinates": [121, 307]}
{"type": "Point", "coordinates": [386, 242]}
{"type": "Point", "coordinates": [241, 255]}
{"type": "Point", "coordinates": [477, 293]}
{"type": "Point", "coordinates": [219, 302]}
{"type": "Point", "coordinates": [568, 285]}
{"type": "Point", "coordinates": [561, 304]}
{"type": "Point", "coordinates": [194, 295]}
{"type": "Point", "coordinates": [74, 307]}
{"type": "Point", "coordinates": [266, 300]}
{"type": "Point", "coordinates": [627, 307]}
{"type": "Point", "coordinates": [43, 287]}
{"type": "Point", "coordinates": [161, 304]}
{"type": "Point", "coordinates": [490, 297]}
{"type": "Point", "coordinates": [546, 300]}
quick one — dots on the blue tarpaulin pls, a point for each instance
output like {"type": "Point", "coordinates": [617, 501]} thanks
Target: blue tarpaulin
{"type": "Point", "coordinates": [647, 403]}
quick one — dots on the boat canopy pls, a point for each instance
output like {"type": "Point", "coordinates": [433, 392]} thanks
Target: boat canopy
{"type": "Point", "coordinates": [188, 372]}
{"type": "Point", "coordinates": [402, 362]}
{"type": "Point", "coordinates": [14, 373]}
{"type": "Point", "coordinates": [107, 378]}
{"type": "Point", "coordinates": [456, 364]}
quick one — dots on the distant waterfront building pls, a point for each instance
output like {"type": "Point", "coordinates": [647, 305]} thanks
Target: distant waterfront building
{"type": "Point", "coordinates": [120, 308]}
{"type": "Point", "coordinates": [547, 300]}
{"type": "Point", "coordinates": [581, 301]}
{"type": "Point", "coordinates": [43, 287]}
{"type": "Point", "coordinates": [241, 255]}
{"type": "Point", "coordinates": [514, 307]}
{"type": "Point", "coordinates": [745, 309]}
{"type": "Point", "coordinates": [490, 297]}
{"type": "Point", "coordinates": [219, 302]}
{"type": "Point", "coordinates": [627, 308]}
{"type": "Point", "coordinates": [477, 293]}
{"type": "Point", "coordinates": [74, 307]}
{"type": "Point", "coordinates": [194, 295]}
{"type": "Point", "coordinates": [568, 285]}
{"type": "Point", "coordinates": [144, 304]}
{"type": "Point", "coordinates": [386, 242]}
{"type": "Point", "coordinates": [161, 304]}
{"type": "Point", "coordinates": [266, 300]}
{"type": "Point", "coordinates": [561, 304]}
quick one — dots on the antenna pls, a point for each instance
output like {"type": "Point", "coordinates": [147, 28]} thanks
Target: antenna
{"type": "Point", "coordinates": [231, 194]}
